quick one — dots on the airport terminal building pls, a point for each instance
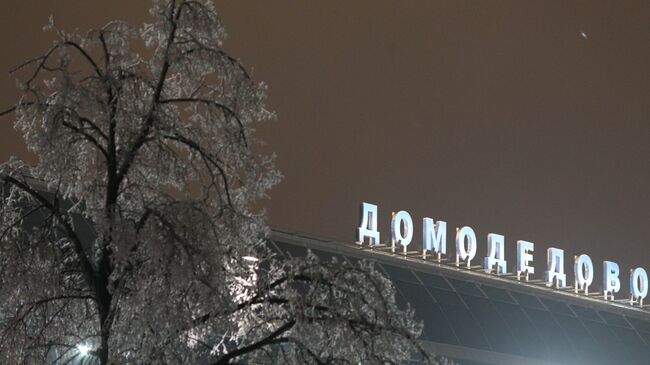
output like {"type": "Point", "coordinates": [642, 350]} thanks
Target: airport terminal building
{"type": "Point", "coordinates": [476, 318]}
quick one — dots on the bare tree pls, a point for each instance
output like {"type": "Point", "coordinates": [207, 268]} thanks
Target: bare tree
{"type": "Point", "coordinates": [135, 239]}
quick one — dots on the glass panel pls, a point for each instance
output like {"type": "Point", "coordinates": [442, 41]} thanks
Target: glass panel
{"type": "Point", "coordinates": [610, 347]}
{"type": "Point", "coordinates": [527, 300]}
{"type": "Point", "coordinates": [399, 273]}
{"type": "Point", "coordinates": [467, 329]}
{"type": "Point", "coordinates": [614, 319]}
{"type": "Point", "coordinates": [554, 335]}
{"type": "Point", "coordinates": [628, 336]}
{"type": "Point", "coordinates": [600, 332]}
{"type": "Point", "coordinates": [640, 324]}
{"type": "Point", "coordinates": [465, 287]}
{"type": "Point", "coordinates": [585, 313]}
{"type": "Point", "coordinates": [571, 325]}
{"type": "Point", "coordinates": [433, 280]}
{"type": "Point", "coordinates": [497, 333]}
{"type": "Point", "coordinates": [84, 230]}
{"type": "Point", "coordinates": [639, 354]}
{"type": "Point", "coordinates": [578, 337]}
{"type": "Point", "coordinates": [497, 294]}
{"type": "Point", "coordinates": [446, 297]}
{"type": "Point", "coordinates": [557, 307]}
{"type": "Point", "coordinates": [291, 250]}
{"type": "Point", "coordinates": [646, 337]}
{"type": "Point", "coordinates": [325, 256]}
{"type": "Point", "coordinates": [436, 326]}
{"type": "Point", "coordinates": [523, 330]}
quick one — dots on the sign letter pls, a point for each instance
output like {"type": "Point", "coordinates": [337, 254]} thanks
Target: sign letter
{"type": "Point", "coordinates": [465, 234]}
{"type": "Point", "coordinates": [434, 237]}
{"type": "Point", "coordinates": [555, 265]}
{"type": "Point", "coordinates": [398, 237]}
{"type": "Point", "coordinates": [495, 254]}
{"type": "Point", "coordinates": [524, 258]}
{"type": "Point", "coordinates": [638, 285]}
{"type": "Point", "coordinates": [368, 226]}
{"type": "Point", "coordinates": [611, 282]}
{"type": "Point", "coordinates": [584, 273]}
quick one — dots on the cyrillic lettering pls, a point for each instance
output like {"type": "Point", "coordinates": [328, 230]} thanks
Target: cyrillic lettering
{"type": "Point", "coordinates": [583, 271]}
{"type": "Point", "coordinates": [368, 226]}
{"type": "Point", "coordinates": [402, 237]}
{"type": "Point", "coordinates": [496, 254]}
{"type": "Point", "coordinates": [638, 285]}
{"type": "Point", "coordinates": [463, 252]}
{"type": "Point", "coordinates": [555, 265]}
{"type": "Point", "coordinates": [434, 237]}
{"type": "Point", "coordinates": [524, 258]}
{"type": "Point", "coordinates": [611, 282]}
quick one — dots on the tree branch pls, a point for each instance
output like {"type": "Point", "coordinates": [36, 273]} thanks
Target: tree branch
{"type": "Point", "coordinates": [7, 111]}
{"type": "Point", "coordinates": [226, 110]}
{"type": "Point", "coordinates": [90, 60]}
{"type": "Point", "coordinates": [149, 120]}
{"type": "Point", "coordinates": [272, 338]}
{"type": "Point", "coordinates": [89, 271]}
{"type": "Point", "coordinates": [206, 156]}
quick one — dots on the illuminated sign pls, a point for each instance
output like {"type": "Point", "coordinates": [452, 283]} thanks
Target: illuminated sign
{"type": "Point", "coordinates": [434, 241]}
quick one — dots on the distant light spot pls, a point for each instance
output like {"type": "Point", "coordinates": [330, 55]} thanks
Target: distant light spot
{"type": "Point", "coordinates": [83, 349]}
{"type": "Point", "coordinates": [584, 35]}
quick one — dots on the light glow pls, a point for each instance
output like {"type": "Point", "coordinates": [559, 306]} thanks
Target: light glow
{"type": "Point", "coordinates": [83, 349]}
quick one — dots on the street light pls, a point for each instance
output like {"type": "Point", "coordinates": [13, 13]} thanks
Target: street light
{"type": "Point", "coordinates": [83, 349]}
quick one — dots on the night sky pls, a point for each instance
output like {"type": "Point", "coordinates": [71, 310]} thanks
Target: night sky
{"type": "Point", "coordinates": [527, 119]}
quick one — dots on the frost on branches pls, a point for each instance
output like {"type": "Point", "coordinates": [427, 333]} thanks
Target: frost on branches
{"type": "Point", "coordinates": [135, 238]}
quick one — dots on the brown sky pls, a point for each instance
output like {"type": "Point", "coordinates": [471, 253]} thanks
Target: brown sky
{"type": "Point", "coordinates": [493, 114]}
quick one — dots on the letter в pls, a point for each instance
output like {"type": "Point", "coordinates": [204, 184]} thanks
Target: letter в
{"type": "Point", "coordinates": [611, 282]}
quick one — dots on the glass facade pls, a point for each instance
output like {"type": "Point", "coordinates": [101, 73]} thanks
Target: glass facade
{"type": "Point", "coordinates": [476, 315]}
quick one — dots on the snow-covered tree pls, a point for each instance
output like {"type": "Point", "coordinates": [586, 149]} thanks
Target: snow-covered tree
{"type": "Point", "coordinates": [136, 237]}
